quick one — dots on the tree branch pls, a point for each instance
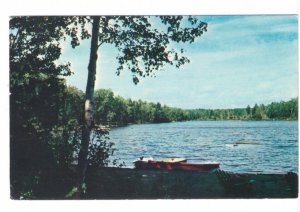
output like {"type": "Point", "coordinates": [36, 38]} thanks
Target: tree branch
{"type": "Point", "coordinates": [16, 36]}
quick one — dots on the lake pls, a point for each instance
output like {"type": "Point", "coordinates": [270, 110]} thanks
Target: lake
{"type": "Point", "coordinates": [275, 148]}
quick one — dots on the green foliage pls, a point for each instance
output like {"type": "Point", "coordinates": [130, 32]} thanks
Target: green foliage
{"type": "Point", "coordinates": [274, 111]}
{"type": "Point", "coordinates": [283, 110]}
{"type": "Point", "coordinates": [116, 110]}
{"type": "Point", "coordinates": [36, 95]}
{"type": "Point", "coordinates": [100, 150]}
{"type": "Point", "coordinates": [45, 114]}
{"type": "Point", "coordinates": [143, 47]}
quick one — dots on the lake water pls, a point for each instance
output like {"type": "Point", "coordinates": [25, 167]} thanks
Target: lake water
{"type": "Point", "coordinates": [198, 141]}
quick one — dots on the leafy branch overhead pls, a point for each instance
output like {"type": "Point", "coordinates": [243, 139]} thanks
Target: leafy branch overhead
{"type": "Point", "coordinates": [35, 43]}
{"type": "Point", "coordinates": [144, 42]}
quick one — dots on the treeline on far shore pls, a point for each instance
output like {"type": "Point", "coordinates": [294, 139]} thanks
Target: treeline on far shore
{"type": "Point", "coordinates": [112, 109]}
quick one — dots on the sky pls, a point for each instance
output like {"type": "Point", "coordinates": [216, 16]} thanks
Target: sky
{"type": "Point", "coordinates": [239, 61]}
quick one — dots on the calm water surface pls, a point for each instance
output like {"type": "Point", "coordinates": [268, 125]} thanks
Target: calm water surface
{"type": "Point", "coordinates": [199, 141]}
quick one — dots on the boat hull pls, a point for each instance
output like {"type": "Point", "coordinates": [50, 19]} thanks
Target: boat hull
{"type": "Point", "coordinates": [180, 166]}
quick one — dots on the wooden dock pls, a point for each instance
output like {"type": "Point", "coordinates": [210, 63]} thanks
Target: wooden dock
{"type": "Point", "coordinates": [117, 183]}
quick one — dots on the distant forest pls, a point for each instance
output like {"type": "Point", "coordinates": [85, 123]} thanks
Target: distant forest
{"type": "Point", "coordinates": [111, 109]}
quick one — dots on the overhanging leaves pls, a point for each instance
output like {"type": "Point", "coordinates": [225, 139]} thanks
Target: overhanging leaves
{"type": "Point", "coordinates": [144, 42]}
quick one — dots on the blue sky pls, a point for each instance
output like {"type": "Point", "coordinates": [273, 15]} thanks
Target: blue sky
{"type": "Point", "coordinates": [239, 61]}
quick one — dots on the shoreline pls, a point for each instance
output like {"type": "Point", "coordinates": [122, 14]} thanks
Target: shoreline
{"type": "Point", "coordinates": [212, 120]}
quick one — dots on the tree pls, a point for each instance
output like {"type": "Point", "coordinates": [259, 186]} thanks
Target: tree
{"type": "Point", "coordinates": [143, 48]}
{"type": "Point", "coordinates": [158, 113]}
{"type": "Point", "coordinates": [66, 131]}
{"type": "Point", "coordinates": [37, 97]}
{"type": "Point", "coordinates": [248, 110]}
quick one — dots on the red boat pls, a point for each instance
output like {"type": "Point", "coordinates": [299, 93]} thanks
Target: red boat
{"type": "Point", "coordinates": [179, 164]}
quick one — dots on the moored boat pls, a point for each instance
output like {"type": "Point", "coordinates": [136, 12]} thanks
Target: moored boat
{"type": "Point", "coordinates": [179, 164]}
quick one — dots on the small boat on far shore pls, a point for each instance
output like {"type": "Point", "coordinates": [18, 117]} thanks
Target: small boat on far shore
{"type": "Point", "coordinates": [178, 164]}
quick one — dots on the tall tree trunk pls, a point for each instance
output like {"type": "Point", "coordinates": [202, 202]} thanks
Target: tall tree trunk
{"type": "Point", "coordinates": [88, 105]}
